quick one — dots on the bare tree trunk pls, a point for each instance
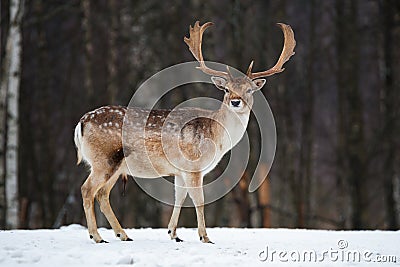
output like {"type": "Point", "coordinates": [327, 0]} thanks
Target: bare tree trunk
{"type": "Point", "coordinates": [10, 88]}
{"type": "Point", "coordinates": [351, 111]}
{"type": "Point", "coordinates": [242, 201]}
{"type": "Point", "coordinates": [390, 121]}
{"type": "Point", "coordinates": [112, 84]}
{"type": "Point", "coordinates": [88, 43]}
{"type": "Point", "coordinates": [307, 134]}
{"type": "Point", "coordinates": [3, 106]}
{"type": "Point", "coordinates": [264, 198]}
{"type": "Point", "coordinates": [341, 163]}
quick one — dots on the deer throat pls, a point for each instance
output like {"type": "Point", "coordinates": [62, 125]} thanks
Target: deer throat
{"type": "Point", "coordinates": [234, 124]}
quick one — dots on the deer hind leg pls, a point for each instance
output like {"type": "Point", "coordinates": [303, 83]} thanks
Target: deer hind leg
{"type": "Point", "coordinates": [194, 183]}
{"type": "Point", "coordinates": [180, 195]}
{"type": "Point", "coordinates": [103, 197]}
{"type": "Point", "coordinates": [89, 189]}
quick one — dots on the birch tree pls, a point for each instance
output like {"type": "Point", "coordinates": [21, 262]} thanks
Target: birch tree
{"type": "Point", "coordinates": [9, 115]}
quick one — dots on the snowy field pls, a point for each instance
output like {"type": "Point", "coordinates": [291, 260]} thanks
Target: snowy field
{"type": "Point", "coordinates": [71, 246]}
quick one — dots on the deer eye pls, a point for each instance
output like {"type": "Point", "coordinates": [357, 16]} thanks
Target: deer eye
{"type": "Point", "coordinates": [226, 90]}
{"type": "Point", "coordinates": [249, 91]}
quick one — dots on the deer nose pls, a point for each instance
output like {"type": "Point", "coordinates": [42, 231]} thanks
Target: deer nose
{"type": "Point", "coordinates": [235, 103]}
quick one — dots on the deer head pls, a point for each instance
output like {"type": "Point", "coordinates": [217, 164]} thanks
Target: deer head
{"type": "Point", "coordinates": [239, 90]}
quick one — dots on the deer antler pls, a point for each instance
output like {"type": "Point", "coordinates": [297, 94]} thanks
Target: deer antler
{"type": "Point", "coordinates": [194, 44]}
{"type": "Point", "coordinates": [287, 52]}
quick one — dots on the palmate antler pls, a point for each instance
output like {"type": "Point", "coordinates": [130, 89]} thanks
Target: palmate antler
{"type": "Point", "coordinates": [195, 40]}
{"type": "Point", "coordinates": [194, 43]}
{"type": "Point", "coordinates": [287, 52]}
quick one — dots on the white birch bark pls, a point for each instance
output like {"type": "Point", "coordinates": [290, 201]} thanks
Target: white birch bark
{"type": "Point", "coordinates": [11, 83]}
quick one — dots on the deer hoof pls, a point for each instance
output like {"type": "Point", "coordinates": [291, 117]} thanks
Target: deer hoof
{"type": "Point", "coordinates": [205, 239]}
{"type": "Point", "coordinates": [103, 241]}
{"type": "Point", "coordinates": [177, 239]}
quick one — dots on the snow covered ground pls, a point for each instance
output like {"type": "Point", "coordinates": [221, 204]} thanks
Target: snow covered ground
{"type": "Point", "coordinates": [71, 246]}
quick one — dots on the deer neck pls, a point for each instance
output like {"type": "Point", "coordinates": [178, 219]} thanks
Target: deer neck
{"type": "Point", "coordinates": [235, 124]}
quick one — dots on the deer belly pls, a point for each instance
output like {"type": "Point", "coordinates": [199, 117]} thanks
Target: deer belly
{"type": "Point", "coordinates": [144, 166]}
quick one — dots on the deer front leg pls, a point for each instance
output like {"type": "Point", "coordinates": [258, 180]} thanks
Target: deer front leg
{"type": "Point", "coordinates": [103, 197]}
{"type": "Point", "coordinates": [195, 188]}
{"type": "Point", "coordinates": [180, 195]}
{"type": "Point", "coordinates": [89, 189]}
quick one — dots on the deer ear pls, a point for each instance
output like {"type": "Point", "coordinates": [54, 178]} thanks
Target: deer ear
{"type": "Point", "coordinates": [259, 83]}
{"type": "Point", "coordinates": [219, 82]}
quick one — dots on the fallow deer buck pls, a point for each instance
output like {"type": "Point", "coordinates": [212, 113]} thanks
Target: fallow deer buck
{"type": "Point", "coordinates": [98, 139]}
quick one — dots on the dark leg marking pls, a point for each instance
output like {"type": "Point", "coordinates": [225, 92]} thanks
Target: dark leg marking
{"type": "Point", "coordinates": [116, 158]}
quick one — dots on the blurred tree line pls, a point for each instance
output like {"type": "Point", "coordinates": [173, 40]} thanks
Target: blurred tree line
{"type": "Point", "coordinates": [335, 106]}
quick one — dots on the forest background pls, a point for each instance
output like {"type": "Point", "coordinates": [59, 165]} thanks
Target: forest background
{"type": "Point", "coordinates": [335, 106]}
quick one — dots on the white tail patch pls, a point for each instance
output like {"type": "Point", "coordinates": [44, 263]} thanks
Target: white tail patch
{"type": "Point", "coordinates": [77, 140]}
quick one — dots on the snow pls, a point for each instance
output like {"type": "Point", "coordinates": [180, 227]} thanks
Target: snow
{"type": "Point", "coordinates": [71, 246]}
